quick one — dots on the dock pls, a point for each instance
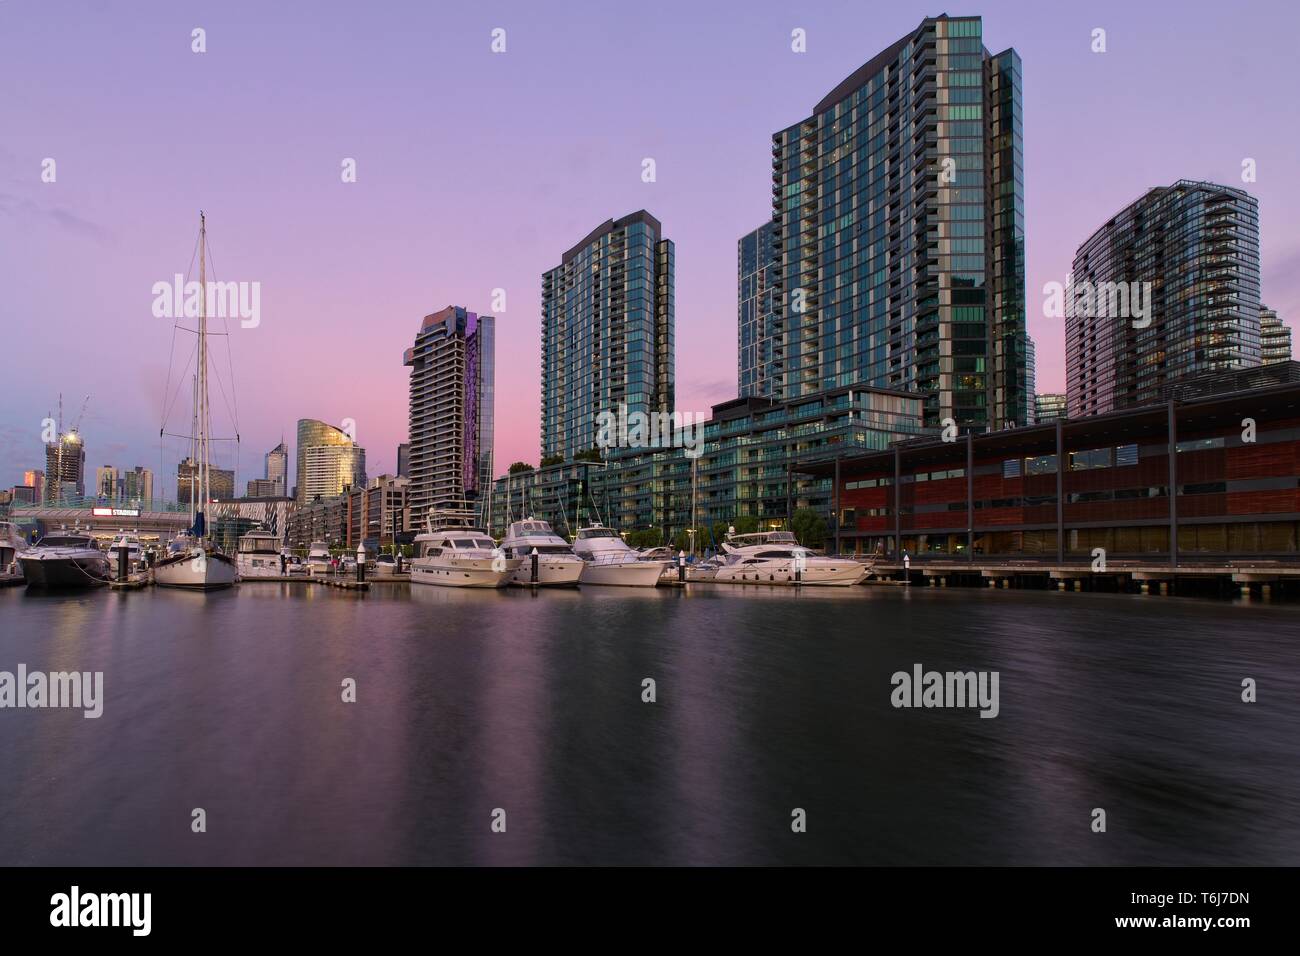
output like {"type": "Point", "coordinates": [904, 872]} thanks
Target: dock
{"type": "Point", "coordinates": [1250, 579]}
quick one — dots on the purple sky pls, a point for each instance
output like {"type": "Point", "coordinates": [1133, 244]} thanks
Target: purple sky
{"type": "Point", "coordinates": [477, 170]}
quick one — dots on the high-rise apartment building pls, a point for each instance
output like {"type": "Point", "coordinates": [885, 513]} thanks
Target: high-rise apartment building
{"type": "Point", "coordinates": [452, 367]}
{"type": "Point", "coordinates": [1274, 337]}
{"type": "Point", "coordinates": [1165, 289]}
{"type": "Point", "coordinates": [896, 252]}
{"type": "Point", "coordinates": [607, 332]}
{"type": "Point", "coordinates": [758, 321]}
{"type": "Point", "coordinates": [328, 461]}
{"type": "Point", "coordinates": [1048, 406]}
{"type": "Point", "coordinates": [404, 460]}
{"type": "Point", "coordinates": [277, 469]}
{"type": "Point", "coordinates": [221, 482]}
{"type": "Point", "coordinates": [1031, 384]}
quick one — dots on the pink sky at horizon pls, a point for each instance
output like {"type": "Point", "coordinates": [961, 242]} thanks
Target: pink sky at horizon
{"type": "Point", "coordinates": [477, 170]}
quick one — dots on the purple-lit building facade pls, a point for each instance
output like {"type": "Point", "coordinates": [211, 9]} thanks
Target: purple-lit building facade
{"type": "Point", "coordinates": [451, 412]}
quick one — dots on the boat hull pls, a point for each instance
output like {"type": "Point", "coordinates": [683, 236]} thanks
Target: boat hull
{"type": "Point", "coordinates": [80, 571]}
{"type": "Point", "coordinates": [260, 566]}
{"type": "Point", "coordinates": [475, 573]}
{"type": "Point", "coordinates": [627, 574]}
{"type": "Point", "coordinates": [815, 574]}
{"type": "Point", "coordinates": [185, 571]}
{"type": "Point", "coordinates": [551, 572]}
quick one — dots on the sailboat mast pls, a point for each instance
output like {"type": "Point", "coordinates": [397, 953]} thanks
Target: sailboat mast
{"type": "Point", "coordinates": [204, 478]}
{"type": "Point", "coordinates": [194, 448]}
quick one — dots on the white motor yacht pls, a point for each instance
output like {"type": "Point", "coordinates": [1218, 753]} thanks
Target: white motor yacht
{"type": "Point", "coordinates": [65, 559]}
{"type": "Point", "coordinates": [609, 561]}
{"type": "Point", "coordinates": [134, 552]}
{"type": "Point", "coordinates": [318, 558]}
{"type": "Point", "coordinates": [776, 557]}
{"type": "Point", "coordinates": [556, 564]}
{"type": "Point", "coordinates": [453, 553]}
{"type": "Point", "coordinates": [385, 566]}
{"type": "Point", "coordinates": [259, 554]}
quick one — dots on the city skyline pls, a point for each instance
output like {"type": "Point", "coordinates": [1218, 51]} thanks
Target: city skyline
{"type": "Point", "coordinates": [347, 267]}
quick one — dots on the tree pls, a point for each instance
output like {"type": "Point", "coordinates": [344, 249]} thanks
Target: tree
{"type": "Point", "coordinates": [519, 466]}
{"type": "Point", "coordinates": [809, 528]}
{"type": "Point", "coordinates": [591, 454]}
{"type": "Point", "coordinates": [550, 460]}
{"type": "Point", "coordinates": [645, 538]}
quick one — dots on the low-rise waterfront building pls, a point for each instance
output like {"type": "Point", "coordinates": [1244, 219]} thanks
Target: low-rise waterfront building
{"type": "Point", "coordinates": [1185, 478]}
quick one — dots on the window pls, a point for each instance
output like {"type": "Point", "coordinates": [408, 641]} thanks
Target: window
{"type": "Point", "coordinates": [1042, 465]}
{"type": "Point", "coordinates": [1092, 458]}
{"type": "Point", "coordinates": [1011, 468]}
{"type": "Point", "coordinates": [1126, 455]}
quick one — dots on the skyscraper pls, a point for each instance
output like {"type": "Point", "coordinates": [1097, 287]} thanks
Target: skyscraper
{"type": "Point", "coordinates": [1274, 337]}
{"type": "Point", "coordinates": [106, 482]}
{"type": "Point", "coordinates": [897, 236]}
{"type": "Point", "coordinates": [1049, 406]}
{"type": "Point", "coordinates": [452, 367]}
{"type": "Point", "coordinates": [277, 469]}
{"type": "Point", "coordinates": [404, 460]}
{"type": "Point", "coordinates": [607, 331]}
{"type": "Point", "coordinates": [758, 346]}
{"type": "Point", "coordinates": [1031, 383]}
{"type": "Point", "coordinates": [1186, 257]}
{"type": "Point", "coordinates": [221, 482]}
{"type": "Point", "coordinates": [65, 468]}
{"type": "Point", "coordinates": [328, 461]}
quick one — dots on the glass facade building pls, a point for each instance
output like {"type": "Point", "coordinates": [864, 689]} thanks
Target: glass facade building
{"type": "Point", "coordinates": [1193, 250]}
{"type": "Point", "coordinates": [896, 253]}
{"type": "Point", "coordinates": [607, 332]}
{"type": "Point", "coordinates": [1274, 337]}
{"type": "Point", "coordinates": [750, 454]}
{"type": "Point", "coordinates": [328, 461]}
{"type": "Point", "coordinates": [760, 359]}
{"type": "Point", "coordinates": [452, 405]}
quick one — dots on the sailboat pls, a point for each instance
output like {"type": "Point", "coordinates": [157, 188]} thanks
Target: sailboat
{"type": "Point", "coordinates": [194, 562]}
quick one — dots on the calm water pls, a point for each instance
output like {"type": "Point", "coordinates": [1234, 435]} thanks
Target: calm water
{"type": "Point", "coordinates": [768, 700]}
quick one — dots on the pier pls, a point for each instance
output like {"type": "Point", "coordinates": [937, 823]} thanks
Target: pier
{"type": "Point", "coordinates": [1250, 579]}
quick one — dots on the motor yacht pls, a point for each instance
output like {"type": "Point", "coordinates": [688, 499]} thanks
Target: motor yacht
{"type": "Point", "coordinates": [65, 559]}
{"type": "Point", "coordinates": [556, 564]}
{"type": "Point", "coordinates": [134, 551]}
{"type": "Point", "coordinates": [776, 557]}
{"type": "Point", "coordinates": [259, 554]}
{"type": "Point", "coordinates": [385, 566]}
{"type": "Point", "coordinates": [609, 561]}
{"type": "Point", "coordinates": [453, 553]}
{"type": "Point", "coordinates": [318, 558]}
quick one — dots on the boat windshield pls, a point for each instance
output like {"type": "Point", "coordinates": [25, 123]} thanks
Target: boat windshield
{"type": "Point", "coordinates": [598, 533]}
{"type": "Point", "coordinates": [64, 541]}
{"type": "Point", "coordinates": [474, 543]}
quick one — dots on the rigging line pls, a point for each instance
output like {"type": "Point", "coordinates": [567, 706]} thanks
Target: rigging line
{"type": "Point", "coordinates": [230, 362]}
{"type": "Point", "coordinates": [167, 409]}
